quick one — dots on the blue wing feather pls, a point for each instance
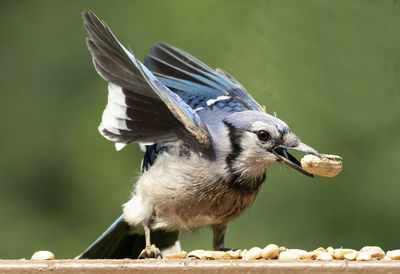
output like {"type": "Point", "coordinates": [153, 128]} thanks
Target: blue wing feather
{"type": "Point", "coordinates": [178, 59]}
{"type": "Point", "coordinates": [194, 82]}
{"type": "Point", "coordinates": [151, 154]}
{"type": "Point", "coordinates": [161, 67]}
{"type": "Point", "coordinates": [189, 87]}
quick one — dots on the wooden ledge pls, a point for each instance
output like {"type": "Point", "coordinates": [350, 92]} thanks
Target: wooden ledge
{"type": "Point", "coordinates": [197, 266]}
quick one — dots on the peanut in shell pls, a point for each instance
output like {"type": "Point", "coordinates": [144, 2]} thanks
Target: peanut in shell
{"type": "Point", "coordinates": [326, 165]}
{"type": "Point", "coordinates": [43, 255]}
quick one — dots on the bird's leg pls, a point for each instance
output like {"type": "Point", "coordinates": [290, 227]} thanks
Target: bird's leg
{"type": "Point", "coordinates": [219, 237]}
{"type": "Point", "coordinates": [150, 251]}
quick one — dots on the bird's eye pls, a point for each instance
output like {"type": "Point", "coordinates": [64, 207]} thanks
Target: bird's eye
{"type": "Point", "coordinates": [263, 135]}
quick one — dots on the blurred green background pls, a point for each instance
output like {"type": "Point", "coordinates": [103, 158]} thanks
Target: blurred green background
{"type": "Point", "coordinates": [330, 69]}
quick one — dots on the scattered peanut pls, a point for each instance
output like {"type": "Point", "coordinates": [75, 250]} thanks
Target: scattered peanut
{"type": "Point", "coordinates": [289, 255]}
{"type": "Point", "coordinates": [351, 256]}
{"type": "Point", "coordinates": [234, 254]}
{"type": "Point", "coordinates": [217, 255]}
{"type": "Point", "coordinates": [321, 249]}
{"type": "Point", "coordinates": [394, 254]}
{"type": "Point", "coordinates": [271, 251]}
{"type": "Point", "coordinates": [180, 255]}
{"type": "Point", "coordinates": [282, 248]}
{"type": "Point", "coordinates": [208, 254]}
{"type": "Point", "coordinates": [326, 165]}
{"type": "Point", "coordinates": [243, 253]}
{"type": "Point", "coordinates": [303, 255]}
{"type": "Point", "coordinates": [253, 254]}
{"type": "Point", "coordinates": [364, 256]}
{"type": "Point", "coordinates": [321, 255]}
{"type": "Point", "coordinates": [374, 251]}
{"type": "Point", "coordinates": [43, 255]}
{"type": "Point", "coordinates": [339, 253]}
{"type": "Point", "coordinates": [198, 254]}
{"type": "Point", "coordinates": [386, 258]}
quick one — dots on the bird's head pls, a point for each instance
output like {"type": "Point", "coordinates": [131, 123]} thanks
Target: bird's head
{"type": "Point", "coordinates": [259, 139]}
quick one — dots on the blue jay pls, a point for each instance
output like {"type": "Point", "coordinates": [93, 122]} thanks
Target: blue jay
{"type": "Point", "coordinates": [207, 145]}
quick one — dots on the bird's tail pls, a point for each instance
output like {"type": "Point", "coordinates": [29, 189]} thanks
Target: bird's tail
{"type": "Point", "coordinates": [119, 242]}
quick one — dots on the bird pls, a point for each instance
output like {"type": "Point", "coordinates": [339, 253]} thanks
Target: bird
{"type": "Point", "coordinates": [207, 145]}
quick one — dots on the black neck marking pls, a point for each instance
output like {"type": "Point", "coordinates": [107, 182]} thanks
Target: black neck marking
{"type": "Point", "coordinates": [234, 136]}
{"type": "Point", "coordinates": [236, 181]}
{"type": "Point", "coordinates": [246, 185]}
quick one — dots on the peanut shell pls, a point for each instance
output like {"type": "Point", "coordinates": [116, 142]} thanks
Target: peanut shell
{"type": "Point", "coordinates": [326, 165]}
{"type": "Point", "coordinates": [271, 251]}
{"type": "Point", "coordinates": [364, 256]}
{"type": "Point", "coordinates": [351, 256]}
{"type": "Point", "coordinates": [289, 255]}
{"type": "Point", "coordinates": [234, 254]}
{"type": "Point", "coordinates": [43, 255]}
{"type": "Point", "coordinates": [321, 255]}
{"type": "Point", "coordinates": [394, 254]}
{"type": "Point", "coordinates": [339, 253]}
{"type": "Point", "coordinates": [253, 254]}
{"type": "Point", "coordinates": [172, 256]}
{"type": "Point", "coordinates": [375, 251]}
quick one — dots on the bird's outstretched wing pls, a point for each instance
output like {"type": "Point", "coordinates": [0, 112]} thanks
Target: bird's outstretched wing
{"type": "Point", "coordinates": [140, 108]}
{"type": "Point", "coordinates": [193, 81]}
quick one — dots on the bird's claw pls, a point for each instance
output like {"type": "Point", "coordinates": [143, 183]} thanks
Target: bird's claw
{"type": "Point", "coordinates": [150, 252]}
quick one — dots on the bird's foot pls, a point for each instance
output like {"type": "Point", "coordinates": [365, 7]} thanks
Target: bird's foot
{"type": "Point", "coordinates": [150, 252]}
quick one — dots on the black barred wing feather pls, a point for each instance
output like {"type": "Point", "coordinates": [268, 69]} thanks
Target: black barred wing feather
{"type": "Point", "coordinates": [140, 107]}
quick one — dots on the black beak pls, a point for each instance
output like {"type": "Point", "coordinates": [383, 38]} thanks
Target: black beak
{"type": "Point", "coordinates": [284, 157]}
